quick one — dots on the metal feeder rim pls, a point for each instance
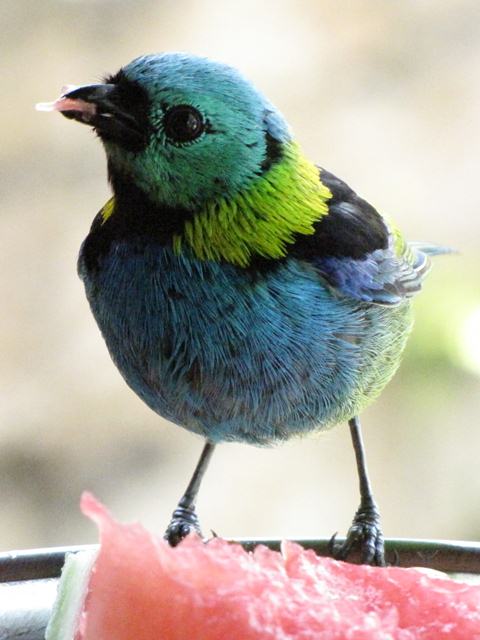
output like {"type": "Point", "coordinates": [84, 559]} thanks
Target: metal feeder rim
{"type": "Point", "coordinates": [450, 556]}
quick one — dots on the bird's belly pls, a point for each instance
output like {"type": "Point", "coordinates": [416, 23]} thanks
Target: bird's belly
{"type": "Point", "coordinates": [241, 356]}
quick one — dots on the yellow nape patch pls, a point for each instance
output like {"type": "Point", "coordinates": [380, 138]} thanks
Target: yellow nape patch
{"type": "Point", "coordinates": [262, 220]}
{"type": "Point", "coordinates": [107, 209]}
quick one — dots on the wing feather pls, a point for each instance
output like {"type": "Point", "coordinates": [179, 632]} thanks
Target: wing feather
{"type": "Point", "coordinates": [359, 254]}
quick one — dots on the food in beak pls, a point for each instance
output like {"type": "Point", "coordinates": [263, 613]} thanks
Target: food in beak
{"type": "Point", "coordinates": [87, 109]}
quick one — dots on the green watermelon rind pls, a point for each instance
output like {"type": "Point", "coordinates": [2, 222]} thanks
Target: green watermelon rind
{"type": "Point", "coordinates": [72, 588]}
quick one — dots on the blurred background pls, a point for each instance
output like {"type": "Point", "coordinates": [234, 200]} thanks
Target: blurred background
{"type": "Point", "coordinates": [384, 94]}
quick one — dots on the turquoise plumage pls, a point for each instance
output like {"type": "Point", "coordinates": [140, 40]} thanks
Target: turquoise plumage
{"type": "Point", "coordinates": [286, 358]}
{"type": "Point", "coordinates": [243, 293]}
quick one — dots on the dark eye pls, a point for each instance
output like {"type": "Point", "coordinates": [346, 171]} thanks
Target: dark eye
{"type": "Point", "coordinates": [183, 123]}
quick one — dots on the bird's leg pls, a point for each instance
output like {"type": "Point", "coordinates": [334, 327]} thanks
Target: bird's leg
{"type": "Point", "coordinates": [184, 519]}
{"type": "Point", "coordinates": [365, 533]}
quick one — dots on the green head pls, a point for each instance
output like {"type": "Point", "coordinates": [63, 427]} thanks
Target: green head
{"type": "Point", "coordinates": [194, 136]}
{"type": "Point", "coordinates": [191, 129]}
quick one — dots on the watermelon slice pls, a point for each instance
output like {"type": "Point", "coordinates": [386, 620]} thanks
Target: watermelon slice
{"type": "Point", "coordinates": [139, 588]}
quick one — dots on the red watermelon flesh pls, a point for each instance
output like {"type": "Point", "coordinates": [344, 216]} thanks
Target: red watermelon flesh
{"type": "Point", "coordinates": [142, 589]}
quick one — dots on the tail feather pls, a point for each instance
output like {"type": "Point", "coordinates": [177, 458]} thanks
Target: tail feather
{"type": "Point", "coordinates": [431, 249]}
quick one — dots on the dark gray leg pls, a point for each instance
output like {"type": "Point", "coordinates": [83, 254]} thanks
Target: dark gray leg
{"type": "Point", "coordinates": [365, 533]}
{"type": "Point", "coordinates": [184, 519]}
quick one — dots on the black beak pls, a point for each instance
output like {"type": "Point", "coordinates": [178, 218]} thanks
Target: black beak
{"type": "Point", "coordinates": [117, 116]}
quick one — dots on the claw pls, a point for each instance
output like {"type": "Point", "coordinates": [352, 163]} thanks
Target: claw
{"type": "Point", "coordinates": [184, 521]}
{"type": "Point", "coordinates": [331, 545]}
{"type": "Point", "coordinates": [365, 535]}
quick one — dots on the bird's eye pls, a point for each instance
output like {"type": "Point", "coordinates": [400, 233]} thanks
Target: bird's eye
{"type": "Point", "coordinates": [183, 123]}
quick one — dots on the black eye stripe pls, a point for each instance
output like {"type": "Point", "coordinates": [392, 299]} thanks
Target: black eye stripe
{"type": "Point", "coordinates": [183, 123]}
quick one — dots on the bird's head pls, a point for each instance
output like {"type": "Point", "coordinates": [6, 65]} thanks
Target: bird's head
{"type": "Point", "coordinates": [185, 129]}
{"type": "Point", "coordinates": [205, 150]}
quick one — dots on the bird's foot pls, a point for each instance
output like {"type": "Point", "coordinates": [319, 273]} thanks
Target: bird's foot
{"type": "Point", "coordinates": [365, 535]}
{"type": "Point", "coordinates": [184, 521]}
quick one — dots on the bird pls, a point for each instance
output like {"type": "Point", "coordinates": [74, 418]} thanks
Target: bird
{"type": "Point", "coordinates": [244, 293]}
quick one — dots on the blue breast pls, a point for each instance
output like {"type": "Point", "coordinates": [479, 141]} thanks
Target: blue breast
{"type": "Point", "coordinates": [240, 355]}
